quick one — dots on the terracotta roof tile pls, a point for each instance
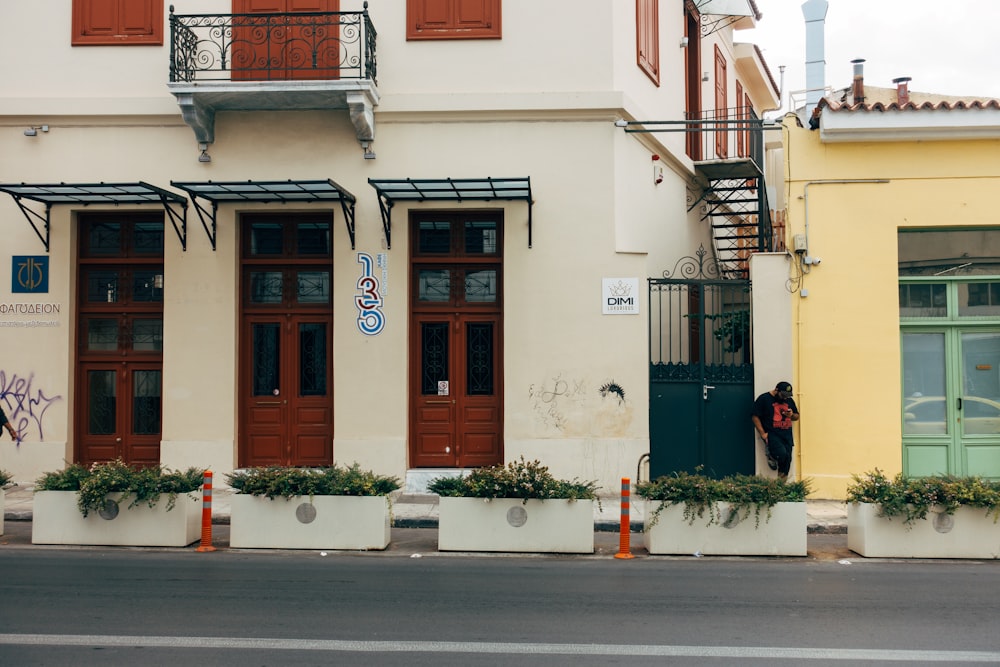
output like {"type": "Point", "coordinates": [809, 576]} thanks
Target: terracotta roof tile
{"type": "Point", "coordinates": [885, 99]}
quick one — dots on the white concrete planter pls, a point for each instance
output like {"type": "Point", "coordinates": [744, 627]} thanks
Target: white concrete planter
{"type": "Point", "coordinates": [969, 533]}
{"type": "Point", "coordinates": [513, 525]}
{"type": "Point", "coordinates": [323, 522]}
{"type": "Point", "coordinates": [784, 534]}
{"type": "Point", "coordinates": [56, 519]}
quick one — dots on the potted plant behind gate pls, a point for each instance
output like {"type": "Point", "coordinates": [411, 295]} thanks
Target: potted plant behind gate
{"type": "Point", "coordinates": [518, 508]}
{"type": "Point", "coordinates": [332, 507]}
{"type": "Point", "coordinates": [923, 517]}
{"type": "Point", "coordinates": [5, 480]}
{"type": "Point", "coordinates": [741, 515]}
{"type": "Point", "coordinates": [116, 504]}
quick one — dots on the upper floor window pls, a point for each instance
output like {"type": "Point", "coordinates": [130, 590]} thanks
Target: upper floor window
{"type": "Point", "coordinates": [453, 19]}
{"type": "Point", "coordinates": [126, 22]}
{"type": "Point", "coordinates": [647, 38]}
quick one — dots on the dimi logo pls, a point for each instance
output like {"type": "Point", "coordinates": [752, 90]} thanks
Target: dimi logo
{"type": "Point", "coordinates": [620, 295]}
{"type": "Point", "coordinates": [29, 274]}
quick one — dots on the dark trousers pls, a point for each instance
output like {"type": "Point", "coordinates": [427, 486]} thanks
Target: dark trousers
{"type": "Point", "coordinates": [779, 447]}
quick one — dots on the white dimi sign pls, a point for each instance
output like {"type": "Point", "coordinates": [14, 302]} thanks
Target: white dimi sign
{"type": "Point", "coordinates": [620, 296]}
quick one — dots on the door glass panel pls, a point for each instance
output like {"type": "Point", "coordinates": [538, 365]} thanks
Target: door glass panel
{"type": "Point", "coordinates": [147, 286]}
{"type": "Point", "coordinates": [101, 392]}
{"type": "Point", "coordinates": [481, 237]}
{"type": "Point", "coordinates": [923, 300]}
{"type": "Point", "coordinates": [265, 238]}
{"type": "Point", "coordinates": [313, 287]}
{"type": "Point", "coordinates": [265, 286]}
{"type": "Point", "coordinates": [266, 359]}
{"type": "Point", "coordinates": [312, 359]}
{"type": "Point", "coordinates": [433, 237]}
{"type": "Point", "coordinates": [434, 285]}
{"type": "Point", "coordinates": [982, 299]}
{"type": "Point", "coordinates": [924, 395]}
{"type": "Point", "coordinates": [102, 334]}
{"type": "Point", "coordinates": [147, 335]}
{"type": "Point", "coordinates": [146, 402]}
{"type": "Point", "coordinates": [102, 287]}
{"type": "Point", "coordinates": [147, 238]}
{"type": "Point", "coordinates": [481, 286]}
{"type": "Point", "coordinates": [104, 238]}
{"type": "Point", "coordinates": [479, 359]}
{"type": "Point", "coordinates": [981, 383]}
{"type": "Point", "coordinates": [313, 238]}
{"type": "Point", "coordinates": [433, 356]}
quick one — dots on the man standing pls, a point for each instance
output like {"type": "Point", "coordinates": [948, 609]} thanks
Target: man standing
{"type": "Point", "coordinates": [773, 414]}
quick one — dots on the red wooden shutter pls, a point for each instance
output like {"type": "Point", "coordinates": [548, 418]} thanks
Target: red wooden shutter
{"type": "Point", "coordinates": [453, 19]}
{"type": "Point", "coordinates": [741, 111]}
{"type": "Point", "coordinates": [647, 33]}
{"type": "Point", "coordinates": [721, 104]}
{"type": "Point", "coordinates": [104, 22]}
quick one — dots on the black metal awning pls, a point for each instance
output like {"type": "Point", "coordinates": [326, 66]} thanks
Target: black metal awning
{"type": "Point", "coordinates": [448, 189]}
{"type": "Point", "coordinates": [85, 194]}
{"type": "Point", "coordinates": [286, 192]}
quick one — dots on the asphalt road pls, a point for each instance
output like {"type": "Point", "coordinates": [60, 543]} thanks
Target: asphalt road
{"type": "Point", "coordinates": [159, 607]}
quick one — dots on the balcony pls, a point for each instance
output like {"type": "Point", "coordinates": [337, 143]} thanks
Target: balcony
{"type": "Point", "coordinates": [273, 62]}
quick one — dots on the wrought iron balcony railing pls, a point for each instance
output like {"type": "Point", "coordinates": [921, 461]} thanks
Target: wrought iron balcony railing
{"type": "Point", "coordinates": [721, 134]}
{"type": "Point", "coordinates": [269, 47]}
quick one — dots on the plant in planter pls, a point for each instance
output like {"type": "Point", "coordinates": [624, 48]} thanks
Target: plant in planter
{"type": "Point", "coordinates": [923, 517]}
{"type": "Point", "coordinates": [331, 507]}
{"type": "Point", "coordinates": [95, 495]}
{"type": "Point", "coordinates": [674, 503]}
{"type": "Point", "coordinates": [5, 479]}
{"type": "Point", "coordinates": [515, 508]}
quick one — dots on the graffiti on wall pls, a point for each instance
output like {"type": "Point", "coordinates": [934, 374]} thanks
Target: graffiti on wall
{"type": "Point", "coordinates": [24, 405]}
{"type": "Point", "coordinates": [569, 406]}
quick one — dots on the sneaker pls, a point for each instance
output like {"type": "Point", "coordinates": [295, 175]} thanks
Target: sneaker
{"type": "Point", "coordinates": [771, 462]}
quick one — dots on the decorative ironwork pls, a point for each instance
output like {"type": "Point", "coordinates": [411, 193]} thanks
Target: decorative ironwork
{"type": "Point", "coordinates": [479, 359]}
{"type": "Point", "coordinates": [146, 403]}
{"type": "Point", "coordinates": [310, 45]}
{"type": "Point", "coordinates": [433, 356]}
{"type": "Point", "coordinates": [701, 267]}
{"type": "Point", "coordinates": [312, 359]}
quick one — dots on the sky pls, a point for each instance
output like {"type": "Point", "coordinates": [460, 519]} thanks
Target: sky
{"type": "Point", "coordinates": [946, 47]}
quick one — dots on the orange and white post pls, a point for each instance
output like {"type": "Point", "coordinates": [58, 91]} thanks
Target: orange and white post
{"type": "Point", "coordinates": [624, 540]}
{"type": "Point", "coordinates": [206, 514]}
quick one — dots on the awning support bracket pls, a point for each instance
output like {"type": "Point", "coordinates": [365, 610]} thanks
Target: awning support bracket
{"type": "Point", "coordinates": [29, 214]}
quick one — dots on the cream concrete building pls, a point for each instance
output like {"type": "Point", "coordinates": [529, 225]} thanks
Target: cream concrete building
{"type": "Point", "coordinates": [895, 290]}
{"type": "Point", "coordinates": [408, 235]}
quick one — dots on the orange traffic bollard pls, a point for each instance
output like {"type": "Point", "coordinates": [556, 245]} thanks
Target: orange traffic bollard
{"type": "Point", "coordinates": [624, 540]}
{"type": "Point", "coordinates": [206, 514]}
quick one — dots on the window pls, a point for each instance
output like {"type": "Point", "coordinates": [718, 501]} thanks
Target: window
{"type": "Point", "coordinates": [125, 22]}
{"type": "Point", "coordinates": [453, 19]}
{"type": "Point", "coordinates": [721, 103]}
{"type": "Point", "coordinates": [647, 38]}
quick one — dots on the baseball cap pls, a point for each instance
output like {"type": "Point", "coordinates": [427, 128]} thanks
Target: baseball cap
{"type": "Point", "coordinates": [784, 387]}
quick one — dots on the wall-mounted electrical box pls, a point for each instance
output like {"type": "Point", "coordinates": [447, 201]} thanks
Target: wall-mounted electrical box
{"type": "Point", "coordinates": [799, 243]}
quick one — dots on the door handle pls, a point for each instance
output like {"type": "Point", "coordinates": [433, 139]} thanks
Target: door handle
{"type": "Point", "coordinates": [704, 391]}
{"type": "Point", "coordinates": [440, 402]}
{"type": "Point", "coordinates": [268, 402]}
{"type": "Point", "coordinates": [959, 402]}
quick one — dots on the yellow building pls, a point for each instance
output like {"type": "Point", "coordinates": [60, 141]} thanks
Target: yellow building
{"type": "Point", "coordinates": [894, 276]}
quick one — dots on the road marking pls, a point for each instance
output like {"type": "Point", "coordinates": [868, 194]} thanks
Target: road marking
{"type": "Point", "coordinates": [507, 648]}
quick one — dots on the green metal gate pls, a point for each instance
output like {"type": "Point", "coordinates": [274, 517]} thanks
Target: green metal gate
{"type": "Point", "coordinates": [700, 372]}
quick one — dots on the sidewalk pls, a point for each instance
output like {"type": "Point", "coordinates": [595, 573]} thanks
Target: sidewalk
{"type": "Point", "coordinates": [421, 511]}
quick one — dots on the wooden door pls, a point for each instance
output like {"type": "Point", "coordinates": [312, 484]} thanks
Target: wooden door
{"type": "Point", "coordinates": [285, 46]}
{"type": "Point", "coordinates": [286, 341]}
{"type": "Point", "coordinates": [456, 392]}
{"type": "Point", "coordinates": [456, 404]}
{"type": "Point", "coordinates": [119, 338]}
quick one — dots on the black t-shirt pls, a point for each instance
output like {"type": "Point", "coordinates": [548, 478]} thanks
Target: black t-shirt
{"type": "Point", "coordinates": [768, 409]}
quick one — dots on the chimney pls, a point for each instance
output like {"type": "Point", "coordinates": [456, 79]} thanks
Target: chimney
{"type": "Point", "coordinates": [902, 90]}
{"type": "Point", "coordinates": [814, 12]}
{"type": "Point", "coordinates": [858, 90]}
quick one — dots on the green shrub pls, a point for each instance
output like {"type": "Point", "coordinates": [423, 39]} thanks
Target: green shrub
{"type": "Point", "coordinates": [701, 495]}
{"type": "Point", "coordinates": [283, 482]}
{"type": "Point", "coordinates": [5, 479]}
{"type": "Point", "coordinates": [913, 497]}
{"type": "Point", "coordinates": [94, 486]}
{"type": "Point", "coordinates": [518, 479]}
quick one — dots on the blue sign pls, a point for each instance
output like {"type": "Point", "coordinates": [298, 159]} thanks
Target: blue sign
{"type": "Point", "coordinates": [29, 274]}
